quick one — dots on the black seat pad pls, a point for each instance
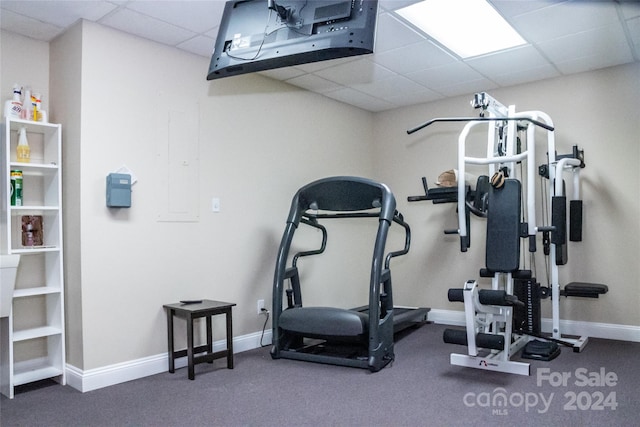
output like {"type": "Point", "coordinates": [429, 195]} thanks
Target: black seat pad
{"type": "Point", "coordinates": [324, 322]}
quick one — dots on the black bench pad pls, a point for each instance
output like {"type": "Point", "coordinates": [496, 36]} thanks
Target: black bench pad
{"type": "Point", "coordinates": [588, 290]}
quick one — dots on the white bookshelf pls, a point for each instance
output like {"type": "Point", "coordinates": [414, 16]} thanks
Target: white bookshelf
{"type": "Point", "coordinates": [32, 338]}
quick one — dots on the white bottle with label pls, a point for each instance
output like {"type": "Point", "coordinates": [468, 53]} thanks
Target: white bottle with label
{"type": "Point", "coordinates": [13, 107]}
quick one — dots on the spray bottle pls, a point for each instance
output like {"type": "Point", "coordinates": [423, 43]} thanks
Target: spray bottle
{"type": "Point", "coordinates": [35, 106]}
{"type": "Point", "coordinates": [23, 152]}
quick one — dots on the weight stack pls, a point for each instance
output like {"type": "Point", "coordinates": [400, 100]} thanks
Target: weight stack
{"type": "Point", "coordinates": [527, 318]}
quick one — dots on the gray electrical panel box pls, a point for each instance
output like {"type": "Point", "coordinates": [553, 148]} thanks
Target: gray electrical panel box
{"type": "Point", "coordinates": [118, 190]}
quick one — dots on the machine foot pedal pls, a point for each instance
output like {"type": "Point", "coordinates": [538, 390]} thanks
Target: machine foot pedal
{"type": "Point", "coordinates": [541, 350]}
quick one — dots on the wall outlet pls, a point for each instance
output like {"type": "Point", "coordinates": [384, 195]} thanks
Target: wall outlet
{"type": "Point", "coordinates": [260, 306]}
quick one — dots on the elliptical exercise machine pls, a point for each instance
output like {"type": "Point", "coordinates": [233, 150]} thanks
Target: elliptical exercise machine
{"type": "Point", "coordinates": [505, 319]}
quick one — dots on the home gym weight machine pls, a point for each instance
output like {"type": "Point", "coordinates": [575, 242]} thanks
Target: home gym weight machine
{"type": "Point", "coordinates": [361, 337]}
{"type": "Point", "coordinates": [506, 318]}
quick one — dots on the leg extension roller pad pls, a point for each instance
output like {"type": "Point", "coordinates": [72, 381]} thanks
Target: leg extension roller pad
{"type": "Point", "coordinates": [491, 341]}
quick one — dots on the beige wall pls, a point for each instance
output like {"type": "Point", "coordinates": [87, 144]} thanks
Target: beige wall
{"type": "Point", "coordinates": [26, 62]}
{"type": "Point", "coordinates": [596, 110]}
{"type": "Point", "coordinates": [66, 89]}
{"type": "Point", "coordinates": [258, 141]}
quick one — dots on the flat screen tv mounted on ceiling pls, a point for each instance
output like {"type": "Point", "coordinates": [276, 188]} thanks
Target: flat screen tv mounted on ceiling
{"type": "Point", "coordinates": [258, 35]}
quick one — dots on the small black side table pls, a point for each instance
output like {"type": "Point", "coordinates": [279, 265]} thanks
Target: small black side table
{"type": "Point", "coordinates": [189, 312]}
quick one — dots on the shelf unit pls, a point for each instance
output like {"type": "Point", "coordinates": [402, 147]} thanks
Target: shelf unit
{"type": "Point", "coordinates": [32, 338]}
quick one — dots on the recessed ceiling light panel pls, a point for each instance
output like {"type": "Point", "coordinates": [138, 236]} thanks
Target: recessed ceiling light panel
{"type": "Point", "coordinates": [466, 27]}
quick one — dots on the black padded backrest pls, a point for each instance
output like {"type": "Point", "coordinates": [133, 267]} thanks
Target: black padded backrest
{"type": "Point", "coordinates": [343, 194]}
{"type": "Point", "coordinates": [503, 227]}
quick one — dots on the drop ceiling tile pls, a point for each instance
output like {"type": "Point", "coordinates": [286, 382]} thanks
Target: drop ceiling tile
{"type": "Point", "coordinates": [415, 57]}
{"type": "Point", "coordinates": [445, 76]}
{"type": "Point", "coordinates": [630, 9]}
{"type": "Point", "coordinates": [509, 61]}
{"type": "Point", "coordinates": [392, 34]}
{"type": "Point", "coordinates": [145, 26]}
{"type": "Point", "coordinates": [633, 25]}
{"type": "Point", "coordinates": [213, 33]}
{"type": "Point", "coordinates": [314, 83]}
{"type": "Point", "coordinates": [415, 98]}
{"type": "Point", "coordinates": [60, 13]}
{"type": "Point", "coordinates": [510, 8]}
{"type": "Point", "coordinates": [284, 73]}
{"type": "Point", "coordinates": [197, 16]}
{"type": "Point", "coordinates": [526, 76]}
{"type": "Point", "coordinates": [360, 100]}
{"type": "Point", "coordinates": [588, 63]}
{"type": "Point", "coordinates": [634, 30]}
{"type": "Point", "coordinates": [607, 44]}
{"type": "Point", "coordinates": [28, 27]}
{"type": "Point", "coordinates": [355, 72]}
{"type": "Point", "coordinates": [312, 67]}
{"type": "Point", "coordinates": [564, 19]}
{"type": "Point", "coordinates": [468, 86]}
{"type": "Point", "coordinates": [200, 45]}
{"type": "Point", "coordinates": [391, 87]}
{"type": "Point", "coordinates": [395, 4]}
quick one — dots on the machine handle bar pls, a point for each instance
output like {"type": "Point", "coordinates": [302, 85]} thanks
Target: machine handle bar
{"type": "Point", "coordinates": [479, 119]}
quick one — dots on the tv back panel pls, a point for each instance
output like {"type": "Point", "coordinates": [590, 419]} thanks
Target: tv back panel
{"type": "Point", "coordinates": [258, 35]}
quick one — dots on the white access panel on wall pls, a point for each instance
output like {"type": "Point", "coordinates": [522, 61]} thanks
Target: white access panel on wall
{"type": "Point", "coordinates": [178, 168]}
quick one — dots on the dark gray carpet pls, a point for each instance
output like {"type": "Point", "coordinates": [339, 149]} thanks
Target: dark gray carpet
{"type": "Point", "coordinates": [419, 389]}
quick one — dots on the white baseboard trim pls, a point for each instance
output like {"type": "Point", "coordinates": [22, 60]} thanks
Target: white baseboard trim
{"type": "Point", "coordinates": [567, 327]}
{"type": "Point", "coordinates": [446, 317]}
{"type": "Point", "coordinates": [93, 379]}
{"type": "Point", "coordinates": [595, 330]}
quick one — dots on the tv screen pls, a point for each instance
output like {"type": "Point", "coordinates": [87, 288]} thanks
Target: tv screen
{"type": "Point", "coordinates": [258, 35]}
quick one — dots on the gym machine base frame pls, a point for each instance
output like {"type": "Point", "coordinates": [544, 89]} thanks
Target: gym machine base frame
{"type": "Point", "coordinates": [490, 364]}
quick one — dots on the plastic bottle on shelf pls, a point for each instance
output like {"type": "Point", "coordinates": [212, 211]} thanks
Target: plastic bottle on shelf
{"type": "Point", "coordinates": [27, 109]}
{"type": "Point", "coordinates": [28, 236]}
{"type": "Point", "coordinates": [39, 115]}
{"type": "Point", "coordinates": [13, 107]}
{"type": "Point", "coordinates": [35, 104]}
{"type": "Point", "coordinates": [16, 187]}
{"type": "Point", "coordinates": [23, 152]}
